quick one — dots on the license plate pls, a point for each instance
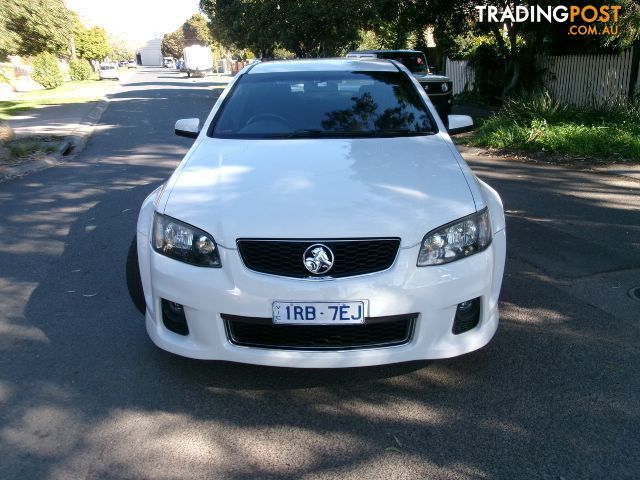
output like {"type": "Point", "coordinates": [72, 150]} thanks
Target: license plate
{"type": "Point", "coordinates": [318, 313]}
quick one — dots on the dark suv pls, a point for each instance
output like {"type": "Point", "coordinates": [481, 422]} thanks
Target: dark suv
{"type": "Point", "coordinates": [438, 87]}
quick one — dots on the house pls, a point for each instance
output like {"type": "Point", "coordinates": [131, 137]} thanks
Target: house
{"type": "Point", "coordinates": [151, 53]}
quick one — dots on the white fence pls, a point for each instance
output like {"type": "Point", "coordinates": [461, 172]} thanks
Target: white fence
{"type": "Point", "coordinates": [572, 79]}
{"type": "Point", "coordinates": [588, 79]}
{"type": "Point", "coordinates": [461, 75]}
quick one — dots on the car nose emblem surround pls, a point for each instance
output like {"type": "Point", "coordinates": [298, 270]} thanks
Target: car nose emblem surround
{"type": "Point", "coordinates": [318, 259]}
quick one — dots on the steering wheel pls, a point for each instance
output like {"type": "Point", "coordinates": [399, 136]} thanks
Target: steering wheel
{"type": "Point", "coordinates": [264, 116]}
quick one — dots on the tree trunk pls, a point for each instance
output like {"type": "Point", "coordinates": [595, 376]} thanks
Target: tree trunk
{"type": "Point", "coordinates": [72, 44]}
{"type": "Point", "coordinates": [513, 65]}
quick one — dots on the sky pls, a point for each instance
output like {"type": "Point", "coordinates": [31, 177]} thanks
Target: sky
{"type": "Point", "coordinates": [135, 20]}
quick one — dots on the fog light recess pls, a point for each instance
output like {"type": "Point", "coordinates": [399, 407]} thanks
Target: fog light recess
{"type": "Point", "coordinates": [174, 318]}
{"type": "Point", "coordinates": [467, 316]}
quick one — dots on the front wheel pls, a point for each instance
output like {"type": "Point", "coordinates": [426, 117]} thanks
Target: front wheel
{"type": "Point", "coordinates": [134, 281]}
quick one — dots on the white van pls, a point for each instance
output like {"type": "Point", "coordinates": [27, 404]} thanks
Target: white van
{"type": "Point", "coordinates": [198, 60]}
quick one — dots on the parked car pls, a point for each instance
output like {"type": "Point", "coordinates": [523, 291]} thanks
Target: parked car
{"type": "Point", "coordinates": [108, 71]}
{"type": "Point", "coordinates": [169, 62]}
{"type": "Point", "coordinates": [438, 87]}
{"type": "Point", "coordinates": [198, 61]}
{"type": "Point", "coordinates": [322, 218]}
{"type": "Point", "coordinates": [132, 64]}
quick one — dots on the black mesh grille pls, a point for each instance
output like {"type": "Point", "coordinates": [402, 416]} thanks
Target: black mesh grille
{"type": "Point", "coordinates": [467, 319]}
{"type": "Point", "coordinates": [351, 257]}
{"type": "Point", "coordinates": [375, 332]}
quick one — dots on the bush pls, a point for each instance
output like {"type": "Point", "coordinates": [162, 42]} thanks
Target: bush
{"type": "Point", "coordinates": [80, 70]}
{"type": "Point", "coordinates": [492, 68]}
{"type": "Point", "coordinates": [6, 133]}
{"type": "Point", "coordinates": [488, 64]}
{"type": "Point", "coordinates": [46, 70]}
{"type": "Point", "coordinates": [539, 123]}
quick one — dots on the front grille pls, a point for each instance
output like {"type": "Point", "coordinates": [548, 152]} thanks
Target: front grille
{"type": "Point", "coordinates": [375, 332]}
{"type": "Point", "coordinates": [351, 257]}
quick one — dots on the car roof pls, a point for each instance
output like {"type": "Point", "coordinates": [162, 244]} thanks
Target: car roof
{"type": "Point", "coordinates": [324, 65]}
{"type": "Point", "coordinates": [385, 51]}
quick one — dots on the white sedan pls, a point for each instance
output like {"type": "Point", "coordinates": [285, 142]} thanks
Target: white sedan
{"type": "Point", "coordinates": [322, 218]}
{"type": "Point", "coordinates": [108, 71]}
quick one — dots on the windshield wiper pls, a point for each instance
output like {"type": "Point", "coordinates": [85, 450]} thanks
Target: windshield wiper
{"type": "Point", "coordinates": [385, 132]}
{"type": "Point", "coordinates": [399, 132]}
{"type": "Point", "coordinates": [306, 133]}
{"type": "Point", "coordinates": [318, 133]}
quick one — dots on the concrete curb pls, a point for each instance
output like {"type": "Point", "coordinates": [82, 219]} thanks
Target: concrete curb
{"type": "Point", "coordinates": [80, 135]}
{"type": "Point", "coordinates": [27, 167]}
{"type": "Point", "coordinates": [8, 172]}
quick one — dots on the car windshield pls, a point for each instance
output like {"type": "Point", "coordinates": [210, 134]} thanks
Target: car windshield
{"type": "Point", "coordinates": [323, 104]}
{"type": "Point", "coordinates": [415, 62]}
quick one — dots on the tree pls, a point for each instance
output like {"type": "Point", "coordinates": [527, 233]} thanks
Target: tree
{"type": "Point", "coordinates": [629, 26]}
{"type": "Point", "coordinates": [196, 31]}
{"type": "Point", "coordinates": [120, 49]}
{"type": "Point", "coordinates": [91, 44]}
{"type": "Point", "coordinates": [243, 24]}
{"type": "Point", "coordinates": [28, 27]}
{"type": "Point", "coordinates": [317, 28]}
{"type": "Point", "coordinates": [173, 43]}
{"type": "Point", "coordinates": [308, 28]}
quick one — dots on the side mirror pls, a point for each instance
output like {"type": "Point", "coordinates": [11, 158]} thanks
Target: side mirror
{"type": "Point", "coordinates": [459, 124]}
{"type": "Point", "coordinates": [188, 127]}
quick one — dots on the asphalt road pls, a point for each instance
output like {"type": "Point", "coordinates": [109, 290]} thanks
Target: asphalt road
{"type": "Point", "coordinates": [84, 393]}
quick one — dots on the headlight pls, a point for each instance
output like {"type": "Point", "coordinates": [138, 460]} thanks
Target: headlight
{"type": "Point", "coordinates": [445, 87]}
{"type": "Point", "coordinates": [183, 242]}
{"type": "Point", "coordinates": [458, 239]}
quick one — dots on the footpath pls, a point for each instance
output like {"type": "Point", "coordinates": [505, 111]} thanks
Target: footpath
{"type": "Point", "coordinates": [71, 122]}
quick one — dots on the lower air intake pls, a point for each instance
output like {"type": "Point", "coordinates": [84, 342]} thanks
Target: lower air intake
{"type": "Point", "coordinates": [375, 332]}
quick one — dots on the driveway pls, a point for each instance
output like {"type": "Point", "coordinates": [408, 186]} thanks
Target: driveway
{"type": "Point", "coordinates": [84, 393]}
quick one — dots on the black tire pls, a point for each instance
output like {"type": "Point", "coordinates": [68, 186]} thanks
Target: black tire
{"type": "Point", "coordinates": [134, 282]}
{"type": "Point", "coordinates": [188, 74]}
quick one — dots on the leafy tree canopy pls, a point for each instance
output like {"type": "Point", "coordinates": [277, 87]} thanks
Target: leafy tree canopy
{"type": "Point", "coordinates": [173, 43]}
{"type": "Point", "coordinates": [308, 28]}
{"type": "Point", "coordinates": [28, 27]}
{"type": "Point", "coordinates": [195, 31]}
{"type": "Point", "coordinates": [92, 44]}
{"type": "Point", "coordinates": [120, 49]}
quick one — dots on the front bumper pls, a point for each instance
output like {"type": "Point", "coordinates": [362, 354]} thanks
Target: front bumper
{"type": "Point", "coordinates": [431, 292]}
{"type": "Point", "coordinates": [442, 102]}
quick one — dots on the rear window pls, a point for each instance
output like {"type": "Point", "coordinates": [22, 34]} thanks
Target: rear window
{"type": "Point", "coordinates": [106, 67]}
{"type": "Point", "coordinates": [322, 104]}
{"type": "Point", "coordinates": [415, 62]}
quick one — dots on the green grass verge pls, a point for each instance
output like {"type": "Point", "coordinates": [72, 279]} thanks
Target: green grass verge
{"type": "Point", "coordinates": [539, 124]}
{"type": "Point", "coordinates": [22, 148]}
{"type": "Point", "coordinates": [25, 147]}
{"type": "Point", "coordinates": [69, 92]}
